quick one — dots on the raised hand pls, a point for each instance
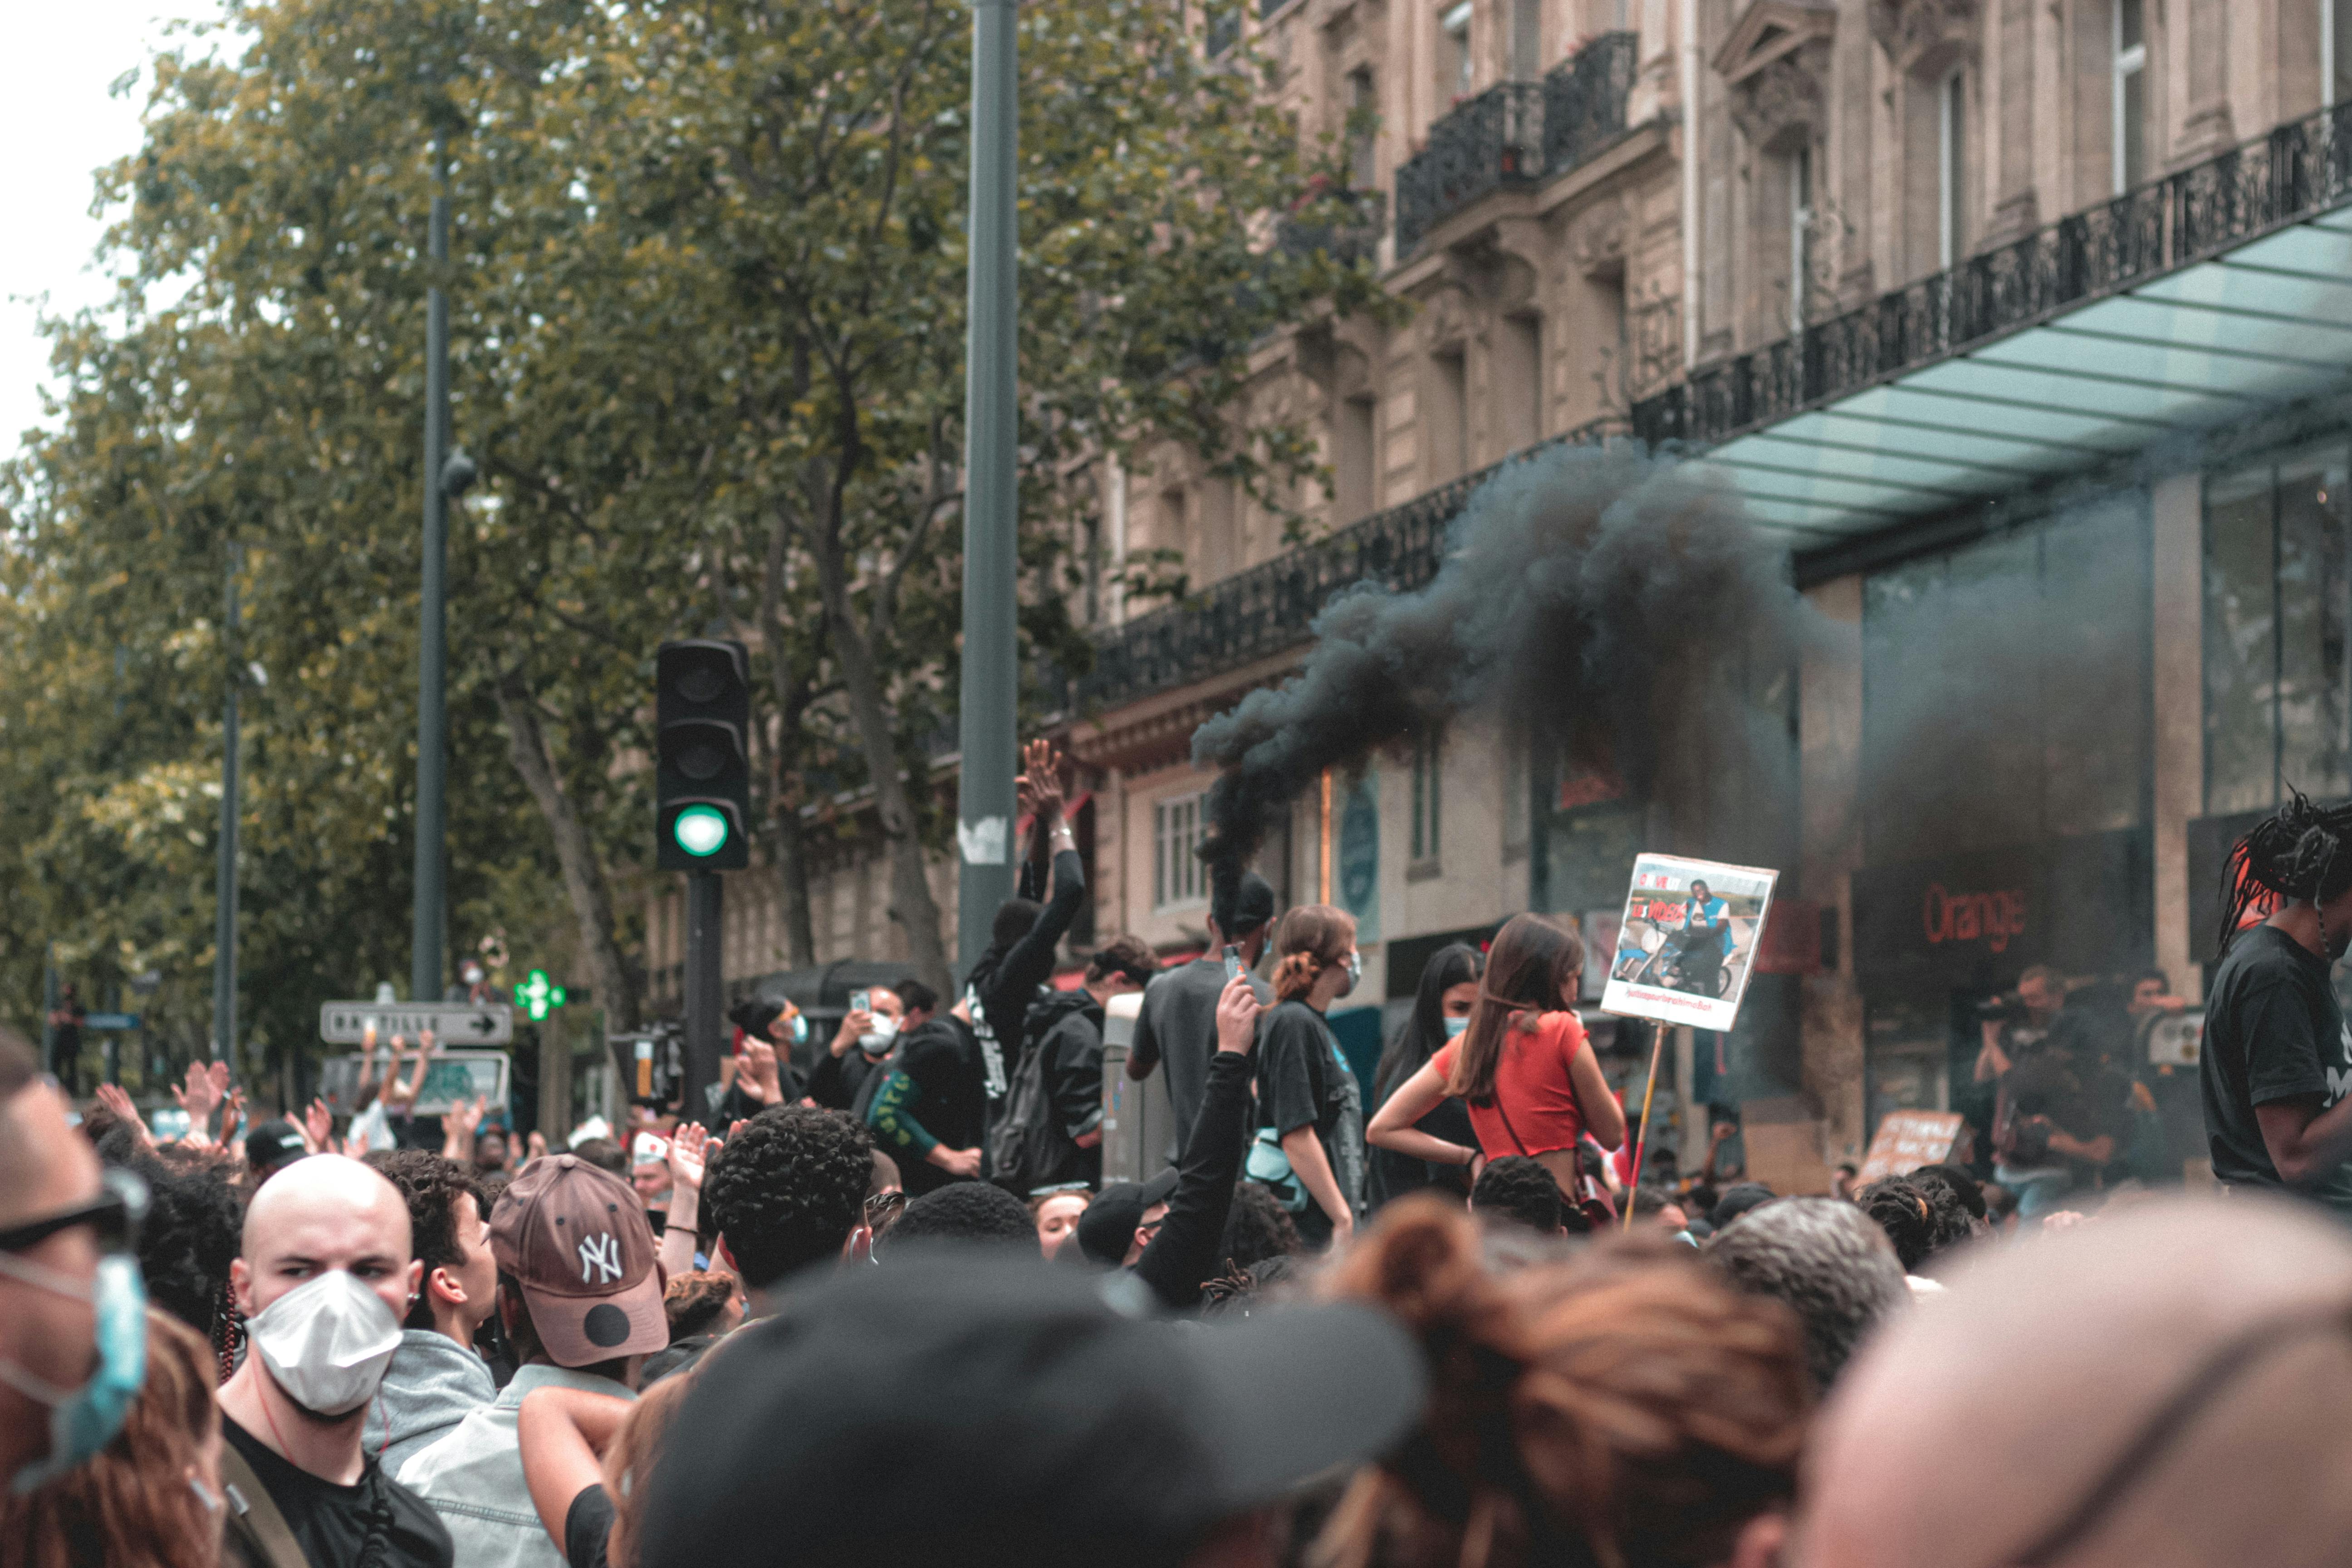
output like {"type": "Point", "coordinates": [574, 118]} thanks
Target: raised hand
{"type": "Point", "coordinates": [1039, 786]}
{"type": "Point", "coordinates": [1237, 1013]}
{"type": "Point", "coordinates": [111, 1095]}
{"type": "Point", "coordinates": [759, 1074]}
{"type": "Point", "coordinates": [232, 1113]}
{"type": "Point", "coordinates": [200, 1097]}
{"type": "Point", "coordinates": [535, 1146]}
{"type": "Point", "coordinates": [689, 1151]}
{"type": "Point", "coordinates": [318, 1127]}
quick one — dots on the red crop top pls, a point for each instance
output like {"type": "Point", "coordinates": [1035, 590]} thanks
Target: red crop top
{"type": "Point", "coordinates": [1538, 1110]}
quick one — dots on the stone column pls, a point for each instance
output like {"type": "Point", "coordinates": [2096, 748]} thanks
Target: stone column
{"type": "Point", "coordinates": [1830, 760]}
{"type": "Point", "coordinates": [2202, 29]}
{"type": "Point", "coordinates": [2017, 211]}
{"type": "Point", "coordinates": [2176, 506]}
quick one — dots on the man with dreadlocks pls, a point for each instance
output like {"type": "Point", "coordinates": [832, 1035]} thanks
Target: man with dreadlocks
{"type": "Point", "coordinates": [2277, 1058]}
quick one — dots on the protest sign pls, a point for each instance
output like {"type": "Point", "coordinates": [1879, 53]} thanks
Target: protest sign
{"type": "Point", "coordinates": [1686, 942]}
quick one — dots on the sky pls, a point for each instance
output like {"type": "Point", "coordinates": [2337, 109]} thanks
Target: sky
{"type": "Point", "coordinates": [59, 125]}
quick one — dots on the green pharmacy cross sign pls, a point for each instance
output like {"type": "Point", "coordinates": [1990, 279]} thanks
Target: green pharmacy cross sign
{"type": "Point", "coordinates": [536, 998]}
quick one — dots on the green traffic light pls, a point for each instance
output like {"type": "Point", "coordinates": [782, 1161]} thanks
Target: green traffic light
{"type": "Point", "coordinates": [700, 830]}
{"type": "Point", "coordinates": [535, 996]}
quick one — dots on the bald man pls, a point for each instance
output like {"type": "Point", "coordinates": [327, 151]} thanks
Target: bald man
{"type": "Point", "coordinates": [324, 1279]}
{"type": "Point", "coordinates": [2165, 1388]}
{"type": "Point", "coordinates": [56, 1222]}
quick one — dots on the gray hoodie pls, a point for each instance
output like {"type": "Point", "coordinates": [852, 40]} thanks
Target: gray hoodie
{"type": "Point", "coordinates": [433, 1384]}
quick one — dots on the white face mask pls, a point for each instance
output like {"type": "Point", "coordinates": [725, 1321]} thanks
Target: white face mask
{"type": "Point", "coordinates": [326, 1342]}
{"type": "Point", "coordinates": [876, 1041]}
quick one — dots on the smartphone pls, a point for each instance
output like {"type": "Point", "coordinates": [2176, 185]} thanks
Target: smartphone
{"type": "Point", "coordinates": [861, 1001]}
{"type": "Point", "coordinates": [1232, 962]}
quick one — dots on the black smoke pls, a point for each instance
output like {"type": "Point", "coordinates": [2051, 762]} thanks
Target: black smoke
{"type": "Point", "coordinates": [1593, 594]}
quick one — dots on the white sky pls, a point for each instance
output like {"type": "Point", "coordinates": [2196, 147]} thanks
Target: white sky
{"type": "Point", "coordinates": [59, 125]}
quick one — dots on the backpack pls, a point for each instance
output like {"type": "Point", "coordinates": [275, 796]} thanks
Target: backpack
{"type": "Point", "coordinates": [1027, 1144]}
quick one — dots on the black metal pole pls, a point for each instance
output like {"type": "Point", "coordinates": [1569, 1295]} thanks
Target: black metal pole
{"type": "Point", "coordinates": [706, 1000]}
{"type": "Point", "coordinates": [429, 937]}
{"type": "Point", "coordinates": [225, 892]}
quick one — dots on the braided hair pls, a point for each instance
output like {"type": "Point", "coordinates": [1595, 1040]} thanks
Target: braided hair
{"type": "Point", "coordinates": [2294, 855]}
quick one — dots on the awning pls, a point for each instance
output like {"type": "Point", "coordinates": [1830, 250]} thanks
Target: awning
{"type": "Point", "coordinates": [2197, 301]}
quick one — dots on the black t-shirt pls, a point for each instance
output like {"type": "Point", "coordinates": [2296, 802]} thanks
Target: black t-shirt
{"type": "Point", "coordinates": [943, 1061]}
{"type": "Point", "coordinates": [1303, 1081]}
{"type": "Point", "coordinates": [587, 1526]}
{"type": "Point", "coordinates": [330, 1522]}
{"type": "Point", "coordinates": [2273, 1032]}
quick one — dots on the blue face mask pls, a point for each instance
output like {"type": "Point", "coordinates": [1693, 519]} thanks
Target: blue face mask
{"type": "Point", "coordinates": [84, 1420]}
{"type": "Point", "coordinates": [1454, 1027]}
{"type": "Point", "coordinates": [800, 1029]}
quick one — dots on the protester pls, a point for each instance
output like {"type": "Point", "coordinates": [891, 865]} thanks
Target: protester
{"type": "Point", "coordinates": [1624, 1407]}
{"type": "Point", "coordinates": [1531, 1080]}
{"type": "Point", "coordinates": [846, 1078]}
{"type": "Point", "coordinates": [969, 1212]}
{"type": "Point", "coordinates": [604, 1154]}
{"type": "Point", "coordinates": [152, 1497]}
{"type": "Point", "coordinates": [1738, 1201]}
{"type": "Point", "coordinates": [580, 1294]}
{"type": "Point", "coordinates": [702, 1303]}
{"type": "Point", "coordinates": [649, 1171]}
{"type": "Point", "coordinates": [1965, 1189]}
{"type": "Point", "coordinates": [930, 1106]}
{"type": "Point", "coordinates": [2276, 1061]}
{"type": "Point", "coordinates": [1310, 1140]}
{"type": "Point", "coordinates": [1921, 1218]}
{"type": "Point", "coordinates": [1256, 1227]}
{"type": "Point", "coordinates": [272, 1146]}
{"type": "Point", "coordinates": [1440, 1011]}
{"type": "Point", "coordinates": [190, 1232]}
{"type": "Point", "coordinates": [324, 1274]}
{"type": "Point", "coordinates": [2184, 1369]}
{"type": "Point", "coordinates": [1057, 1217]}
{"type": "Point", "coordinates": [1062, 1045]}
{"type": "Point", "coordinates": [1521, 1191]}
{"type": "Point", "coordinates": [584, 1455]}
{"type": "Point", "coordinates": [1822, 1258]}
{"type": "Point", "coordinates": [786, 1192]}
{"type": "Point", "coordinates": [983, 1411]}
{"type": "Point", "coordinates": [1177, 1025]}
{"type": "Point", "coordinates": [1019, 958]}
{"type": "Point", "coordinates": [437, 1379]}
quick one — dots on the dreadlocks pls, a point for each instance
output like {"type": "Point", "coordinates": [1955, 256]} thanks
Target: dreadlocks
{"type": "Point", "coordinates": [2294, 855]}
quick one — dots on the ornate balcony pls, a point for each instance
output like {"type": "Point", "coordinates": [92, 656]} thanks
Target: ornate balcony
{"type": "Point", "coordinates": [1516, 133]}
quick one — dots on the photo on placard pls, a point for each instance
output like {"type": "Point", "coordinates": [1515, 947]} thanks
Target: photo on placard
{"type": "Point", "coordinates": [1686, 942]}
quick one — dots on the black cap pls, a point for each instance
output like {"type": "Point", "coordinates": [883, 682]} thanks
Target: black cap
{"type": "Point", "coordinates": [972, 1408]}
{"type": "Point", "coordinates": [1108, 1226]}
{"type": "Point", "coordinates": [1241, 908]}
{"type": "Point", "coordinates": [274, 1142]}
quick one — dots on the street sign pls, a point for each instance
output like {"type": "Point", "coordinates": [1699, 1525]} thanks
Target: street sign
{"type": "Point", "coordinates": [451, 1022]}
{"type": "Point", "coordinates": [109, 1021]}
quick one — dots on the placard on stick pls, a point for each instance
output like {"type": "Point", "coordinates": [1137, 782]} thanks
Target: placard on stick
{"type": "Point", "coordinates": [1686, 944]}
{"type": "Point", "coordinates": [1908, 1140]}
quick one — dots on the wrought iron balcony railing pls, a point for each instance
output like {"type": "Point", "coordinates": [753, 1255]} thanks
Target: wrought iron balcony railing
{"type": "Point", "coordinates": [1267, 609]}
{"type": "Point", "coordinates": [1516, 133]}
{"type": "Point", "coordinates": [2298, 169]}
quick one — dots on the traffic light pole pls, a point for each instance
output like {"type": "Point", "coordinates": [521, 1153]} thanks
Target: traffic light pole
{"type": "Point", "coordinates": [430, 932]}
{"type": "Point", "coordinates": [225, 896]}
{"type": "Point", "coordinates": [992, 502]}
{"type": "Point", "coordinates": [706, 999]}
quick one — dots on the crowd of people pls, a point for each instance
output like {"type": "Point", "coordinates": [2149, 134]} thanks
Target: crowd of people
{"type": "Point", "coordinates": [893, 1311]}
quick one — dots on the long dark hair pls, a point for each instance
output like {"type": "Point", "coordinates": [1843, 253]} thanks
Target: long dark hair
{"type": "Point", "coordinates": [1531, 968]}
{"type": "Point", "coordinates": [1422, 1035]}
{"type": "Point", "coordinates": [2299, 854]}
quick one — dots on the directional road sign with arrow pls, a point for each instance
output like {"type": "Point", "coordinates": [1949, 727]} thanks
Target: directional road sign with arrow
{"type": "Point", "coordinates": [451, 1022]}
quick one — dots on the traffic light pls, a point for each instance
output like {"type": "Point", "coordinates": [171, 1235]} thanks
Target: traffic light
{"type": "Point", "coordinates": [536, 998]}
{"type": "Point", "coordinates": [702, 777]}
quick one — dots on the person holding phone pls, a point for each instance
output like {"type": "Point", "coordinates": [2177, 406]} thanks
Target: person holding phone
{"type": "Point", "coordinates": [1530, 1078]}
{"type": "Point", "coordinates": [1310, 1142]}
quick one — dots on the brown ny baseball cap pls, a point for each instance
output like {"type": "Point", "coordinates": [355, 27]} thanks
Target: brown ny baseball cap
{"type": "Point", "coordinates": [576, 1239]}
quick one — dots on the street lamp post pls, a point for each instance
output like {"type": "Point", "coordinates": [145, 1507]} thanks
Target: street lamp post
{"type": "Point", "coordinates": [225, 899]}
{"type": "Point", "coordinates": [991, 500]}
{"type": "Point", "coordinates": [431, 931]}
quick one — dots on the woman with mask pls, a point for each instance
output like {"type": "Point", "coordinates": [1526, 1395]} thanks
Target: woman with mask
{"type": "Point", "coordinates": [1310, 1140]}
{"type": "Point", "coordinates": [1440, 1011]}
{"type": "Point", "coordinates": [1523, 1067]}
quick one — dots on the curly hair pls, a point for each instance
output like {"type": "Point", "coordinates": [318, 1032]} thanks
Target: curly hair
{"type": "Point", "coordinates": [1823, 1260]}
{"type": "Point", "coordinates": [787, 1190]}
{"type": "Point", "coordinates": [1257, 1228]}
{"type": "Point", "coordinates": [2295, 855]}
{"type": "Point", "coordinates": [1921, 1218]}
{"type": "Point", "coordinates": [193, 1230]}
{"type": "Point", "coordinates": [695, 1303]}
{"type": "Point", "coordinates": [965, 1211]}
{"type": "Point", "coordinates": [432, 1186]}
{"type": "Point", "coordinates": [1624, 1407]}
{"type": "Point", "coordinates": [1521, 1189]}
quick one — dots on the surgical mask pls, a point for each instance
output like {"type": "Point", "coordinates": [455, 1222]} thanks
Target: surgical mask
{"type": "Point", "coordinates": [1454, 1027]}
{"type": "Point", "coordinates": [84, 1420]}
{"type": "Point", "coordinates": [1355, 972]}
{"type": "Point", "coordinates": [798, 1028]}
{"type": "Point", "coordinates": [327, 1342]}
{"type": "Point", "coordinates": [876, 1041]}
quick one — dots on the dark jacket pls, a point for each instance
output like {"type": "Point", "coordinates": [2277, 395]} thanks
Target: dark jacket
{"type": "Point", "coordinates": [1065, 1027]}
{"type": "Point", "coordinates": [1006, 983]}
{"type": "Point", "coordinates": [1184, 1252]}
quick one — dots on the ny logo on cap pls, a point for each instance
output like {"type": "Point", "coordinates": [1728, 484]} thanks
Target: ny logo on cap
{"type": "Point", "coordinates": [601, 1255]}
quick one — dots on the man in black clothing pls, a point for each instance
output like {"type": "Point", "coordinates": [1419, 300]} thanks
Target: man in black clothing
{"type": "Point", "coordinates": [2277, 1058]}
{"type": "Point", "coordinates": [1005, 980]}
{"type": "Point", "coordinates": [929, 1106]}
{"type": "Point", "coordinates": [1178, 1025]}
{"type": "Point", "coordinates": [850, 1069]}
{"type": "Point", "coordinates": [1067, 1029]}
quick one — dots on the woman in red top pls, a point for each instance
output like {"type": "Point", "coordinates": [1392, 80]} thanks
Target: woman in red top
{"type": "Point", "coordinates": [1529, 1077]}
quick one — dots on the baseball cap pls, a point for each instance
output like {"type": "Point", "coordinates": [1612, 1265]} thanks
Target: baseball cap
{"type": "Point", "coordinates": [274, 1142]}
{"type": "Point", "coordinates": [1109, 1224]}
{"type": "Point", "coordinates": [648, 1149]}
{"type": "Point", "coordinates": [576, 1240]}
{"type": "Point", "coordinates": [965, 1406]}
{"type": "Point", "coordinates": [1245, 906]}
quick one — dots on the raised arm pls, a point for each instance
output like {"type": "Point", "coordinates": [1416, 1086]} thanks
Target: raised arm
{"type": "Point", "coordinates": [1184, 1252]}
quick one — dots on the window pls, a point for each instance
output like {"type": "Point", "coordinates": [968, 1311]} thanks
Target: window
{"type": "Point", "coordinates": [1456, 24]}
{"type": "Point", "coordinates": [1176, 829]}
{"type": "Point", "coordinates": [1427, 769]}
{"type": "Point", "coordinates": [1449, 418]}
{"type": "Point", "coordinates": [1951, 150]}
{"type": "Point", "coordinates": [1801, 223]}
{"type": "Point", "coordinates": [1364, 125]}
{"type": "Point", "coordinates": [2277, 579]}
{"type": "Point", "coordinates": [1526, 39]}
{"type": "Point", "coordinates": [2130, 95]}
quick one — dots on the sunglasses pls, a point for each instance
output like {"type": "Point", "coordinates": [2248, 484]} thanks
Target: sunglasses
{"type": "Point", "coordinates": [113, 1216]}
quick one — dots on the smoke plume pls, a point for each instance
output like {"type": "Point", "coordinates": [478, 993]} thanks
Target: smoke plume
{"type": "Point", "coordinates": [1591, 593]}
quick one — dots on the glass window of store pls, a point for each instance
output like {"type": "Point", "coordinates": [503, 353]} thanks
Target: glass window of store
{"type": "Point", "coordinates": [2276, 584]}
